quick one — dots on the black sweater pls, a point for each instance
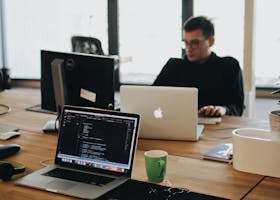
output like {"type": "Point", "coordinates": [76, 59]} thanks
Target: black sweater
{"type": "Point", "coordinates": [219, 81]}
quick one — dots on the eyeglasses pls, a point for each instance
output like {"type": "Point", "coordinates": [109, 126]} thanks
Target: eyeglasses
{"type": "Point", "coordinates": [194, 44]}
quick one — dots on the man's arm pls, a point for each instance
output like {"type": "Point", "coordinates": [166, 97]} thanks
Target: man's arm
{"type": "Point", "coordinates": [237, 95]}
{"type": "Point", "coordinates": [236, 91]}
{"type": "Point", "coordinates": [233, 93]}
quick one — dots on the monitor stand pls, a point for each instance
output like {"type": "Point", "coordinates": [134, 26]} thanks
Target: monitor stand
{"type": "Point", "coordinates": [51, 126]}
{"type": "Point", "coordinates": [38, 108]}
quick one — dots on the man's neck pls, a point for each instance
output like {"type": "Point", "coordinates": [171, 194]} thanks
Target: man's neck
{"type": "Point", "coordinates": [204, 60]}
{"type": "Point", "coordinates": [206, 57]}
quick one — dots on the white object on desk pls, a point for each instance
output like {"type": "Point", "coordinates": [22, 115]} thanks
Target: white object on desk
{"type": "Point", "coordinates": [256, 151]}
{"type": "Point", "coordinates": [209, 120]}
{"type": "Point", "coordinates": [8, 135]}
{"type": "Point", "coordinates": [221, 152]}
{"type": "Point", "coordinates": [51, 126]}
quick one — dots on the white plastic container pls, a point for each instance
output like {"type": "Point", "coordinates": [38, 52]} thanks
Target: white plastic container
{"type": "Point", "coordinates": [256, 151]}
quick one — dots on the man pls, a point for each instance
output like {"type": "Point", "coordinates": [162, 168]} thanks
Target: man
{"type": "Point", "coordinates": [218, 79]}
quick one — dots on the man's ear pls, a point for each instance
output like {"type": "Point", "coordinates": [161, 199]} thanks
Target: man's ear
{"type": "Point", "coordinates": [211, 40]}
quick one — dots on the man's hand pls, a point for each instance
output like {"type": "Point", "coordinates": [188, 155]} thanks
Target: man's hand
{"type": "Point", "coordinates": [212, 111]}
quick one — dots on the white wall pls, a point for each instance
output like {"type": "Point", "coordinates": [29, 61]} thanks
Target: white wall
{"type": "Point", "coordinates": [32, 25]}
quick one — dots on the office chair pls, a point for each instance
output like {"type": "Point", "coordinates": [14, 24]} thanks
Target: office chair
{"type": "Point", "coordinates": [88, 45]}
{"type": "Point", "coordinates": [92, 45]}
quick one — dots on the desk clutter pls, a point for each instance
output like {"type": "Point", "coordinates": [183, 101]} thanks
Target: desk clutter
{"type": "Point", "coordinates": [8, 150]}
{"type": "Point", "coordinates": [9, 169]}
{"type": "Point", "coordinates": [256, 151]}
{"type": "Point", "coordinates": [7, 132]}
{"type": "Point", "coordinates": [9, 135]}
{"type": "Point", "coordinates": [139, 190]}
{"type": "Point", "coordinates": [221, 152]}
{"type": "Point", "coordinates": [200, 176]}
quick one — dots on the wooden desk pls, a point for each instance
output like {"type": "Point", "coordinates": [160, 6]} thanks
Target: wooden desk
{"type": "Point", "coordinates": [19, 99]}
{"type": "Point", "coordinates": [189, 171]}
{"type": "Point", "coordinates": [197, 175]}
{"type": "Point", "coordinates": [213, 135]}
{"type": "Point", "coordinates": [268, 189]}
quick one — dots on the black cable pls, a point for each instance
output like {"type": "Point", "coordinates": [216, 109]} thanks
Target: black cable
{"type": "Point", "coordinates": [7, 109]}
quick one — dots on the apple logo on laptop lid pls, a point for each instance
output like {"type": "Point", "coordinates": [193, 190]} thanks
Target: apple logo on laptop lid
{"type": "Point", "coordinates": [158, 114]}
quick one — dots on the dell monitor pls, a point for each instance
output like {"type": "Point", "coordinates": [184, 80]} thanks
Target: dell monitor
{"type": "Point", "coordinates": [88, 79]}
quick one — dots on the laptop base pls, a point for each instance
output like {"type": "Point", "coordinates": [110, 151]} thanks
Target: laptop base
{"type": "Point", "coordinates": [66, 187]}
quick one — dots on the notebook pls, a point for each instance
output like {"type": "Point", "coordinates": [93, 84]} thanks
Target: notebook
{"type": "Point", "coordinates": [94, 153]}
{"type": "Point", "coordinates": [168, 113]}
{"type": "Point", "coordinates": [221, 152]}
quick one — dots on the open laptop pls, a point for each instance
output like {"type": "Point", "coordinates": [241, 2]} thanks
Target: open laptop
{"type": "Point", "coordinates": [94, 153]}
{"type": "Point", "coordinates": [166, 112]}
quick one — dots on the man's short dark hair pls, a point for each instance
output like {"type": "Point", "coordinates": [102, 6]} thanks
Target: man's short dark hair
{"type": "Point", "coordinates": [200, 22]}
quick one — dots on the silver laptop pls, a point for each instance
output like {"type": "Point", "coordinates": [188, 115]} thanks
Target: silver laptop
{"type": "Point", "coordinates": [94, 153]}
{"type": "Point", "coordinates": [166, 112]}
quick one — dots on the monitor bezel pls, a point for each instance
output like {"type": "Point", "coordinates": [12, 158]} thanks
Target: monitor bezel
{"type": "Point", "coordinates": [47, 89]}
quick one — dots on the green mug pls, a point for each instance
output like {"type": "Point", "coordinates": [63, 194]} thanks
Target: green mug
{"type": "Point", "coordinates": [155, 161]}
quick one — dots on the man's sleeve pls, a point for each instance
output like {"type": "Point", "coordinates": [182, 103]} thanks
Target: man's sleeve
{"type": "Point", "coordinates": [237, 92]}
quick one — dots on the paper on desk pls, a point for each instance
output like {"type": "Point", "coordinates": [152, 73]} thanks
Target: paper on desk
{"type": "Point", "coordinates": [88, 95]}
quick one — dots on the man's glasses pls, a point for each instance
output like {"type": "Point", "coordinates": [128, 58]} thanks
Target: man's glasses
{"type": "Point", "coordinates": [194, 44]}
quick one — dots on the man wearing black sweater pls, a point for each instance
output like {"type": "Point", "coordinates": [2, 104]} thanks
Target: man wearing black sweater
{"type": "Point", "coordinates": [218, 79]}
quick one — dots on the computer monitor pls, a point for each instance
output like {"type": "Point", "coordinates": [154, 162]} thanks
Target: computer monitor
{"type": "Point", "coordinates": [88, 79]}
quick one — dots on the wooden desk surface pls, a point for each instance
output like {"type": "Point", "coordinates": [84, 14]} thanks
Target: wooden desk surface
{"type": "Point", "coordinates": [197, 175]}
{"type": "Point", "coordinates": [212, 135]}
{"type": "Point", "coordinates": [189, 171]}
{"type": "Point", "coordinates": [268, 189]}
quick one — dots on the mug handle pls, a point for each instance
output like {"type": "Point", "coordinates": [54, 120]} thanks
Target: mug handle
{"type": "Point", "coordinates": [161, 164]}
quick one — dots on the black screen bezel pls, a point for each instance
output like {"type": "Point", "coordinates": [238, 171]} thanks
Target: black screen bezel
{"type": "Point", "coordinates": [94, 169]}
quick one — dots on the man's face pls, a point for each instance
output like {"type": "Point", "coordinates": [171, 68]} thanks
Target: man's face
{"type": "Point", "coordinates": [197, 46]}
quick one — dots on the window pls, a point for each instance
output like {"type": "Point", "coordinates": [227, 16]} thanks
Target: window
{"type": "Point", "coordinates": [150, 33]}
{"type": "Point", "coordinates": [267, 43]}
{"type": "Point", "coordinates": [228, 19]}
{"type": "Point", "coordinates": [32, 25]}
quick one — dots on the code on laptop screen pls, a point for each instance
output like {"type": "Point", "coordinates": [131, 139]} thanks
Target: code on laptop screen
{"type": "Point", "coordinates": [97, 140]}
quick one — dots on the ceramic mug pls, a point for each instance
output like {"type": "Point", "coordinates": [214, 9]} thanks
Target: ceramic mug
{"type": "Point", "coordinates": [155, 162]}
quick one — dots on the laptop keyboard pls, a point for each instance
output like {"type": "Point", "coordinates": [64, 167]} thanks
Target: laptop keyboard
{"type": "Point", "coordinates": [79, 176]}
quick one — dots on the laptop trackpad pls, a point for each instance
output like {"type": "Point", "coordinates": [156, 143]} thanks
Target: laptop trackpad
{"type": "Point", "coordinates": [60, 185]}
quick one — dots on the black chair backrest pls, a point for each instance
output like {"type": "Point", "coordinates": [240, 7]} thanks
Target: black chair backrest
{"type": "Point", "coordinates": [86, 45]}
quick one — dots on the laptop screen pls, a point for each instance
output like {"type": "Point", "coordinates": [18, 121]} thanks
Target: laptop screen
{"type": "Point", "coordinates": [97, 139]}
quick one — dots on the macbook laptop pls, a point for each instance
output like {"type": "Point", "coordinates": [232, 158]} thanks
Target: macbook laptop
{"type": "Point", "coordinates": [166, 112]}
{"type": "Point", "coordinates": [94, 153]}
